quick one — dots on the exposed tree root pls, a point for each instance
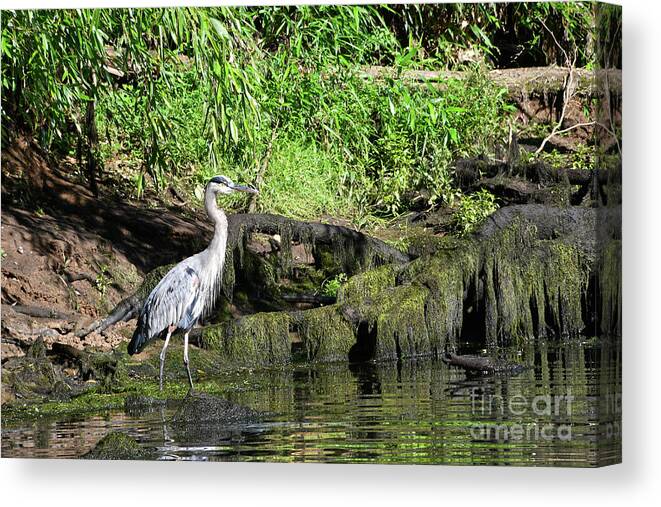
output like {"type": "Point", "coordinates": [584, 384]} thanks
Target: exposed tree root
{"type": "Point", "coordinates": [40, 312]}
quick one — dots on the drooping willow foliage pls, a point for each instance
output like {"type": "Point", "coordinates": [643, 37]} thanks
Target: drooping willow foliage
{"type": "Point", "coordinates": [57, 64]}
{"type": "Point", "coordinates": [265, 71]}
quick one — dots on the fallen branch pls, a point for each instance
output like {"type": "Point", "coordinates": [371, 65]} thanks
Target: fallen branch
{"type": "Point", "coordinates": [518, 81]}
{"type": "Point", "coordinates": [39, 312]}
{"type": "Point", "coordinates": [125, 310]}
{"type": "Point", "coordinates": [568, 90]}
{"type": "Point", "coordinates": [318, 233]}
{"type": "Point", "coordinates": [75, 277]}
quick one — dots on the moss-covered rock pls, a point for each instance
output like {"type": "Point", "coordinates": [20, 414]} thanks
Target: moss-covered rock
{"type": "Point", "coordinates": [34, 376]}
{"type": "Point", "coordinates": [118, 446]}
{"type": "Point", "coordinates": [325, 333]}
{"type": "Point", "coordinates": [254, 340]}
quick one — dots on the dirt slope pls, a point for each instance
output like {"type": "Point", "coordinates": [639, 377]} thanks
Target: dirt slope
{"type": "Point", "coordinates": [67, 253]}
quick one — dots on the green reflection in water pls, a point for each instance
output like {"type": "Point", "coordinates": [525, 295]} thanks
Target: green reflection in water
{"type": "Point", "coordinates": [564, 410]}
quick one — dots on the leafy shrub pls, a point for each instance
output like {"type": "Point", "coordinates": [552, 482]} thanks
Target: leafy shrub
{"type": "Point", "coordinates": [330, 286]}
{"type": "Point", "coordinates": [473, 209]}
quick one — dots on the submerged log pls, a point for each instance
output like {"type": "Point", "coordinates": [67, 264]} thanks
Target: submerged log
{"type": "Point", "coordinates": [481, 364]}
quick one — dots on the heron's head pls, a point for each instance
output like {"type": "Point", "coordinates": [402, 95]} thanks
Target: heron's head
{"type": "Point", "coordinates": [224, 185]}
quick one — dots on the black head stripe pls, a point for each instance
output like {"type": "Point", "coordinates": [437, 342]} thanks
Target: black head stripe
{"type": "Point", "coordinates": [221, 180]}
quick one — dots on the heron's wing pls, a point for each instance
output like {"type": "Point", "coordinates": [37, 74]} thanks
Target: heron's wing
{"type": "Point", "coordinates": [174, 301]}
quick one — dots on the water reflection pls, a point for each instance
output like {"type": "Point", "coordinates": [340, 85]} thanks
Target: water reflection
{"type": "Point", "coordinates": [564, 409]}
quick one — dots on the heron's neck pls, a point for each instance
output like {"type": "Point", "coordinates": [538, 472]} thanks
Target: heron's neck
{"type": "Point", "coordinates": [219, 219]}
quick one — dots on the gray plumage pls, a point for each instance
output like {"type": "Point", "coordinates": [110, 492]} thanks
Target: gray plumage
{"type": "Point", "coordinates": [188, 291]}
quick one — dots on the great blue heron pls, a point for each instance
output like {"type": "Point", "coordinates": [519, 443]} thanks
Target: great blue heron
{"type": "Point", "coordinates": [189, 289]}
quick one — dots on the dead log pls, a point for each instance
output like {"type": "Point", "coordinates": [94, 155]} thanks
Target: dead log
{"type": "Point", "coordinates": [315, 233]}
{"type": "Point", "coordinates": [518, 81]}
{"type": "Point", "coordinates": [469, 171]}
{"type": "Point", "coordinates": [127, 309]}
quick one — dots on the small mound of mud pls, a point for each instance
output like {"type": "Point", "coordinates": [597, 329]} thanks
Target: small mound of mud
{"type": "Point", "coordinates": [203, 418]}
{"type": "Point", "coordinates": [118, 446]}
{"type": "Point", "coordinates": [200, 408]}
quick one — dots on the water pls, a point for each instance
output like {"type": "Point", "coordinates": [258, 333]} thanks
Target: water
{"type": "Point", "coordinates": [562, 411]}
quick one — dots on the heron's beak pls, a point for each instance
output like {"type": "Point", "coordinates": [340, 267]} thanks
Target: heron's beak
{"type": "Point", "coordinates": [245, 188]}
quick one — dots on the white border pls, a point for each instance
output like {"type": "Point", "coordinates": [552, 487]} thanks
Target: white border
{"type": "Point", "coordinates": [636, 482]}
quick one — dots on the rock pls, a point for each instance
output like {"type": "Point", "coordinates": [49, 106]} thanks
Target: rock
{"type": "Point", "coordinates": [34, 375]}
{"type": "Point", "coordinates": [204, 418]}
{"type": "Point", "coordinates": [118, 446]}
{"type": "Point", "coordinates": [201, 408]}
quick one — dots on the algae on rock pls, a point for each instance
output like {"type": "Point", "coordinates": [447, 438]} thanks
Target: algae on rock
{"type": "Point", "coordinates": [508, 288]}
{"type": "Point", "coordinates": [261, 339]}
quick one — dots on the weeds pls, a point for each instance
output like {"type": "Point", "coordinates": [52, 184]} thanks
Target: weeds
{"type": "Point", "coordinates": [330, 286]}
{"type": "Point", "coordinates": [473, 209]}
{"type": "Point", "coordinates": [103, 280]}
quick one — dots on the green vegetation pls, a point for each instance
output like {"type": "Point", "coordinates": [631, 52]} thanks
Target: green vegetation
{"type": "Point", "coordinates": [473, 209]}
{"type": "Point", "coordinates": [156, 96]}
{"type": "Point", "coordinates": [331, 286]}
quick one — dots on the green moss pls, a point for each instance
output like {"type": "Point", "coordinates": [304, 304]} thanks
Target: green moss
{"type": "Point", "coordinates": [258, 339]}
{"type": "Point", "coordinates": [400, 320]}
{"type": "Point", "coordinates": [426, 244]}
{"type": "Point", "coordinates": [325, 333]}
{"type": "Point", "coordinates": [117, 446]}
{"type": "Point", "coordinates": [368, 284]}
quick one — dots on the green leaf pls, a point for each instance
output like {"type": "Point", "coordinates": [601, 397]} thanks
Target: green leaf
{"type": "Point", "coordinates": [234, 131]}
{"type": "Point", "coordinates": [391, 106]}
{"type": "Point", "coordinates": [220, 28]}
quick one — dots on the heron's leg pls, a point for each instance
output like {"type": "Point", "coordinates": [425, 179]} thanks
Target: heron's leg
{"type": "Point", "coordinates": [162, 356]}
{"type": "Point", "coordinates": [190, 379]}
